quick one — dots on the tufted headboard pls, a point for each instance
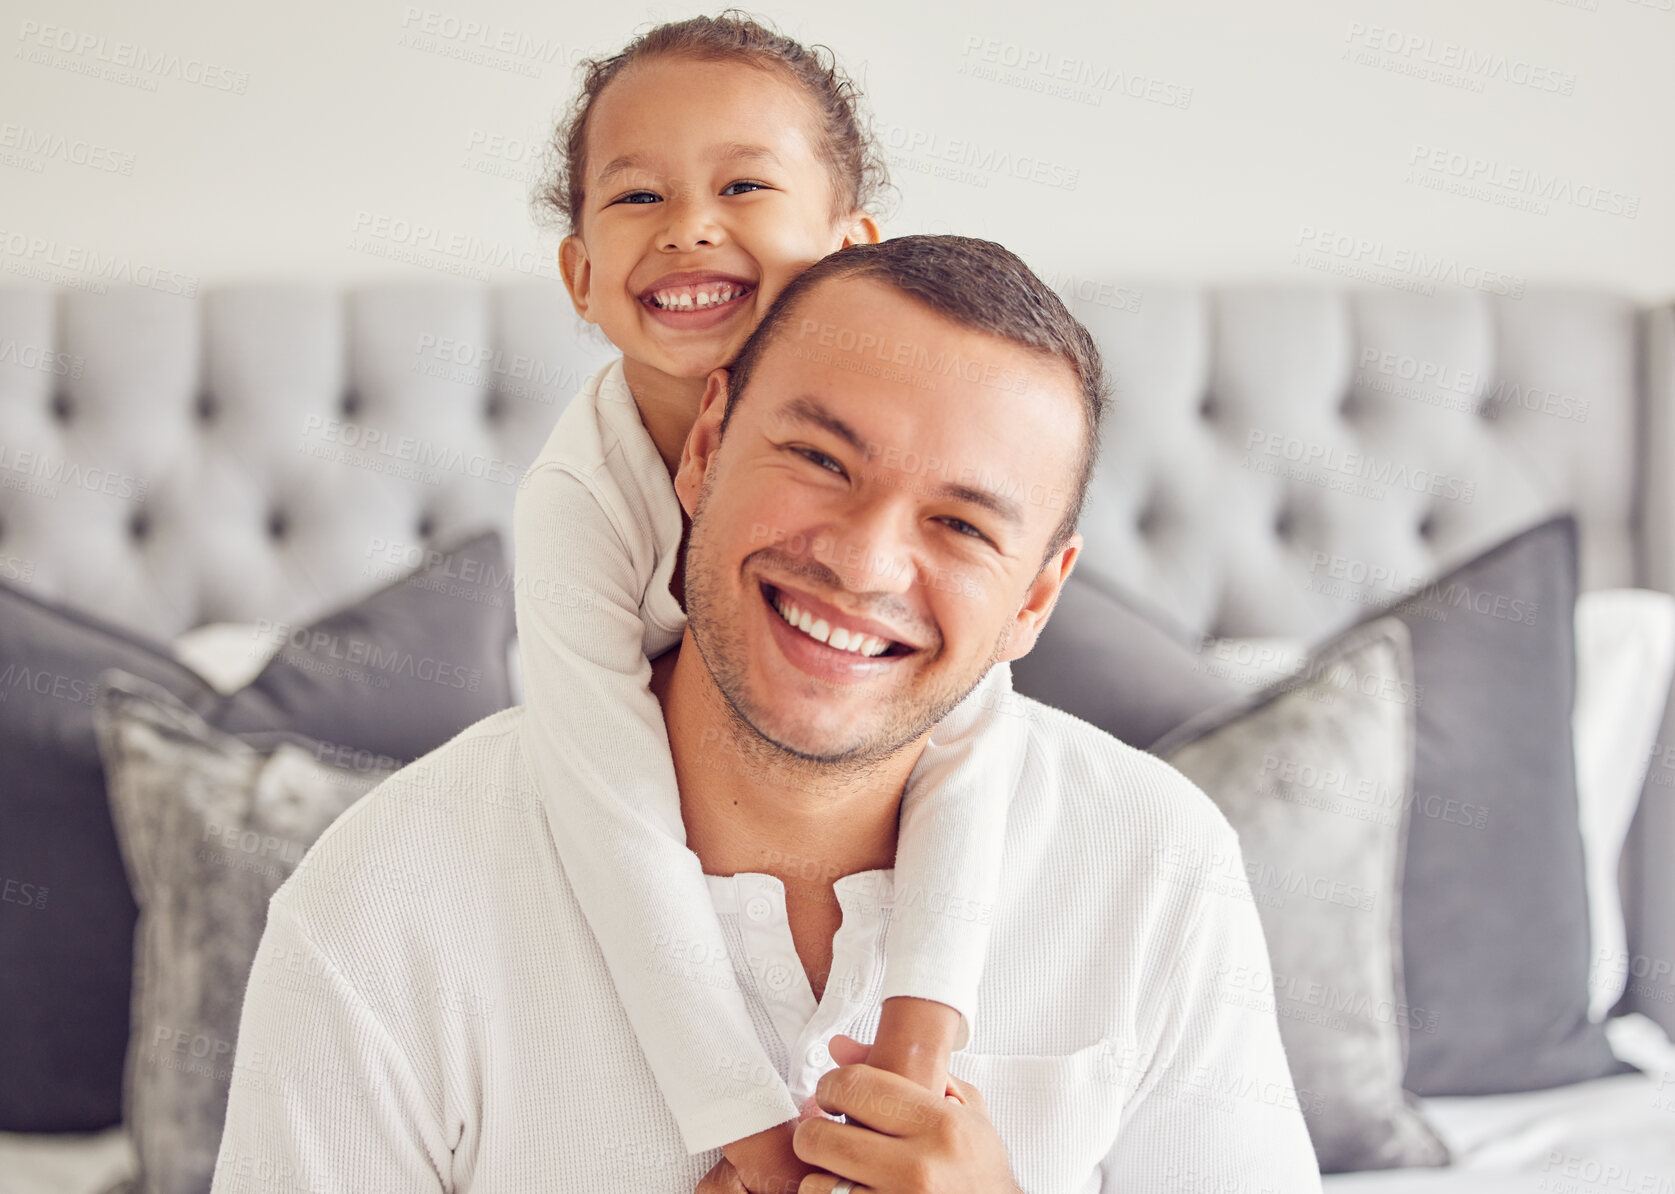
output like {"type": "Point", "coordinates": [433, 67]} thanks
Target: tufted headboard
{"type": "Point", "coordinates": [266, 452]}
{"type": "Point", "coordinates": [1278, 461]}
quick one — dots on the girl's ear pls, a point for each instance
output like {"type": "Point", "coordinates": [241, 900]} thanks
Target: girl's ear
{"type": "Point", "coordinates": [702, 442]}
{"type": "Point", "coordinates": [578, 274]}
{"type": "Point", "coordinates": [862, 230]}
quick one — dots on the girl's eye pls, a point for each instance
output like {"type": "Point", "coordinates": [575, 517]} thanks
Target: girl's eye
{"type": "Point", "coordinates": [729, 189]}
{"type": "Point", "coordinates": [638, 197]}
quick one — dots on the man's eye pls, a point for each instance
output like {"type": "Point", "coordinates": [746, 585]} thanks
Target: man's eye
{"type": "Point", "coordinates": [730, 188]}
{"type": "Point", "coordinates": [964, 527]}
{"type": "Point", "coordinates": [819, 458]}
{"type": "Point", "coordinates": [637, 197]}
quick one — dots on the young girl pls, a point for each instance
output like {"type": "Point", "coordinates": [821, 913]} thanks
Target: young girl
{"type": "Point", "coordinates": [702, 168]}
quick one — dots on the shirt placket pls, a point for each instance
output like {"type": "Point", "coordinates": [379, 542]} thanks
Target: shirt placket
{"type": "Point", "coordinates": [853, 984]}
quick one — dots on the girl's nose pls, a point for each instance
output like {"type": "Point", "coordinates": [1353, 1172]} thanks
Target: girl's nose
{"type": "Point", "coordinates": [692, 223]}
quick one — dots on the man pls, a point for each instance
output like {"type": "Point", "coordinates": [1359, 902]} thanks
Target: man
{"type": "Point", "coordinates": [899, 450]}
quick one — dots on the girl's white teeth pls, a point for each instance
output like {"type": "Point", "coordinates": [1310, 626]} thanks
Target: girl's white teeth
{"type": "Point", "coordinates": [696, 298]}
{"type": "Point", "coordinates": [842, 638]}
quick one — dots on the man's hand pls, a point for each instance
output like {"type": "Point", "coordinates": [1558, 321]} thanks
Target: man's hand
{"type": "Point", "coordinates": [900, 1138]}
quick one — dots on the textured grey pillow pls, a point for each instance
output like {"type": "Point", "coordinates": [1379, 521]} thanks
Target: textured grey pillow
{"type": "Point", "coordinates": [1314, 775]}
{"type": "Point", "coordinates": [210, 825]}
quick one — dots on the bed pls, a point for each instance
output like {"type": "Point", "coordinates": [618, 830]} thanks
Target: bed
{"type": "Point", "coordinates": [171, 464]}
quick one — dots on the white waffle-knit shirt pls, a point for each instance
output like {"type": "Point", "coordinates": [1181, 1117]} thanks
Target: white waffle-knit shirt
{"type": "Point", "coordinates": [429, 1009]}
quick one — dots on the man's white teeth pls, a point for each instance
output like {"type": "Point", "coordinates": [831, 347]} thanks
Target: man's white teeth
{"type": "Point", "coordinates": [819, 629]}
{"type": "Point", "coordinates": [696, 298]}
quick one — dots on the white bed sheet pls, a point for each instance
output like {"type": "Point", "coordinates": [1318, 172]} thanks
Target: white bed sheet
{"type": "Point", "coordinates": [1610, 1136]}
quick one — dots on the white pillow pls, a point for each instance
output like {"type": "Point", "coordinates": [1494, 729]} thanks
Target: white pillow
{"type": "Point", "coordinates": [229, 654]}
{"type": "Point", "coordinates": [1625, 661]}
{"type": "Point", "coordinates": [1625, 655]}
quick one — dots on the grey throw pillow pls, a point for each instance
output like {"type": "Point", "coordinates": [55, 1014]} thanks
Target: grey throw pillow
{"type": "Point", "coordinates": [210, 825]}
{"type": "Point", "coordinates": [397, 673]}
{"type": "Point", "coordinates": [1314, 774]}
{"type": "Point", "coordinates": [1117, 665]}
{"type": "Point", "coordinates": [1496, 930]}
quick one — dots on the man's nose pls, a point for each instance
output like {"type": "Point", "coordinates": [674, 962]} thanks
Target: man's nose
{"type": "Point", "coordinates": [692, 221]}
{"type": "Point", "coordinates": [873, 548]}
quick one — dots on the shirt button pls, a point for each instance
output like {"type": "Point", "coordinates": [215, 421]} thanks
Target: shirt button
{"type": "Point", "coordinates": [818, 1058]}
{"type": "Point", "coordinates": [778, 976]}
{"type": "Point", "coordinates": [758, 908]}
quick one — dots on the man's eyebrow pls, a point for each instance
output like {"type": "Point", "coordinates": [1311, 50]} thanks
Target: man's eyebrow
{"type": "Point", "coordinates": [1001, 507]}
{"type": "Point", "coordinates": [810, 410]}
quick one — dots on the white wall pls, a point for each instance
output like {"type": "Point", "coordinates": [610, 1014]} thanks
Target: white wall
{"type": "Point", "coordinates": [277, 141]}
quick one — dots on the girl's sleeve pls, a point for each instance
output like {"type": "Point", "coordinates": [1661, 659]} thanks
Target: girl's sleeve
{"type": "Point", "coordinates": [948, 849]}
{"type": "Point", "coordinates": [598, 747]}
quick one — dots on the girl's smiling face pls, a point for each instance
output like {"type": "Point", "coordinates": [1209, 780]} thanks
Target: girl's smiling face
{"type": "Point", "coordinates": [705, 194]}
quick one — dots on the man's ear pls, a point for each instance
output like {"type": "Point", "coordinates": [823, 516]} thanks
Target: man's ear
{"type": "Point", "coordinates": [702, 442]}
{"type": "Point", "coordinates": [578, 274]}
{"type": "Point", "coordinates": [1038, 603]}
{"type": "Point", "coordinates": [862, 230]}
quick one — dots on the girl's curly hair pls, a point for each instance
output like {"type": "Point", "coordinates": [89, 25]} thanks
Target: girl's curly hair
{"type": "Point", "coordinates": [845, 141]}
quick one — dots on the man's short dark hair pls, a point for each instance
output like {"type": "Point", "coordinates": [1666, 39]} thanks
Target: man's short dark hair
{"type": "Point", "coordinates": [976, 284]}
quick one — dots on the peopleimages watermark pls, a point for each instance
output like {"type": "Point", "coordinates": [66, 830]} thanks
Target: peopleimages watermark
{"type": "Point", "coordinates": [40, 474]}
{"type": "Point", "coordinates": [1368, 259]}
{"type": "Point", "coordinates": [459, 253]}
{"type": "Point", "coordinates": [1438, 383]}
{"type": "Point", "coordinates": [1339, 575]}
{"type": "Point", "coordinates": [41, 359]}
{"type": "Point", "coordinates": [45, 259]}
{"type": "Point", "coordinates": [511, 374]}
{"type": "Point", "coordinates": [1339, 468]}
{"type": "Point", "coordinates": [1449, 62]}
{"type": "Point", "coordinates": [482, 43]}
{"type": "Point", "coordinates": [404, 455]}
{"type": "Point", "coordinates": [1060, 76]}
{"type": "Point", "coordinates": [517, 159]}
{"type": "Point", "coordinates": [1092, 292]}
{"type": "Point", "coordinates": [351, 657]}
{"type": "Point", "coordinates": [967, 160]}
{"type": "Point", "coordinates": [119, 61]}
{"type": "Point", "coordinates": [1509, 185]}
{"type": "Point", "coordinates": [26, 148]}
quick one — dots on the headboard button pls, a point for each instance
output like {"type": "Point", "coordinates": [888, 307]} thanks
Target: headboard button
{"type": "Point", "coordinates": [350, 405]}
{"type": "Point", "coordinates": [61, 407]}
{"type": "Point", "coordinates": [139, 526]}
{"type": "Point", "coordinates": [426, 527]}
{"type": "Point", "coordinates": [1284, 524]}
{"type": "Point", "coordinates": [278, 525]}
{"type": "Point", "coordinates": [206, 407]}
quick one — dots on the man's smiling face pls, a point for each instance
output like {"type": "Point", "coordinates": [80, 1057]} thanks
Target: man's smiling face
{"type": "Point", "coordinates": [868, 536]}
